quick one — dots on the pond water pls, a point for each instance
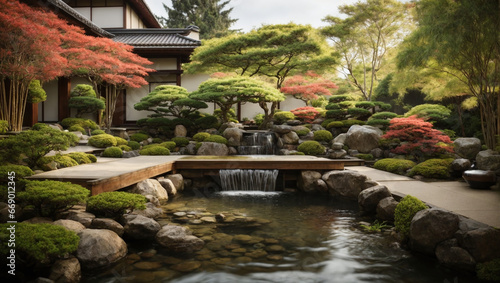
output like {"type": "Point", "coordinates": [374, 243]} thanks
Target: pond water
{"type": "Point", "coordinates": [274, 237]}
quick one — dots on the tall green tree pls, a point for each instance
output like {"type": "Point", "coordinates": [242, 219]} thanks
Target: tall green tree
{"type": "Point", "coordinates": [462, 39]}
{"type": "Point", "coordinates": [274, 51]}
{"type": "Point", "coordinates": [208, 15]}
{"type": "Point", "coordinates": [370, 29]}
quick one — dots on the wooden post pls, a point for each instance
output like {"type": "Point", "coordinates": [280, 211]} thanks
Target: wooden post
{"type": "Point", "coordinates": [64, 87]}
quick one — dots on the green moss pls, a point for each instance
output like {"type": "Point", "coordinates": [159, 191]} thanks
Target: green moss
{"type": "Point", "coordinates": [97, 132]}
{"type": "Point", "coordinates": [393, 165]}
{"type": "Point", "coordinates": [4, 127]}
{"type": "Point", "coordinates": [349, 123]}
{"type": "Point", "coordinates": [384, 115]}
{"type": "Point", "coordinates": [77, 128]}
{"type": "Point", "coordinates": [134, 145]}
{"type": "Point", "coordinates": [297, 153]}
{"type": "Point", "coordinates": [207, 122]}
{"type": "Point", "coordinates": [433, 168]}
{"type": "Point", "coordinates": [80, 157]}
{"type": "Point", "coordinates": [157, 140]}
{"type": "Point", "coordinates": [378, 122]}
{"type": "Point", "coordinates": [102, 141]}
{"type": "Point", "coordinates": [323, 136]}
{"type": "Point", "coordinates": [303, 132]}
{"type": "Point", "coordinates": [20, 172]}
{"type": "Point", "coordinates": [283, 116]}
{"type": "Point", "coordinates": [335, 124]}
{"type": "Point", "coordinates": [336, 113]}
{"type": "Point", "coordinates": [113, 151]}
{"type": "Point", "coordinates": [404, 213]}
{"type": "Point", "coordinates": [121, 141]}
{"type": "Point", "coordinates": [138, 137]}
{"type": "Point", "coordinates": [180, 141]}
{"type": "Point", "coordinates": [125, 147]}
{"type": "Point", "coordinates": [42, 243]}
{"type": "Point", "coordinates": [92, 157]}
{"type": "Point", "coordinates": [170, 145]}
{"type": "Point", "coordinates": [489, 271]}
{"type": "Point", "coordinates": [155, 150]}
{"type": "Point", "coordinates": [115, 204]}
{"type": "Point", "coordinates": [364, 156]}
{"type": "Point", "coordinates": [202, 136]}
{"type": "Point", "coordinates": [62, 161]}
{"type": "Point", "coordinates": [84, 123]}
{"type": "Point", "coordinates": [311, 148]}
{"type": "Point", "coordinates": [217, 139]}
{"type": "Point", "coordinates": [364, 104]}
{"type": "Point", "coordinates": [51, 197]}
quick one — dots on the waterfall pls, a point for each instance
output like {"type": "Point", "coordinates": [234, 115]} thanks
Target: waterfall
{"type": "Point", "coordinates": [257, 143]}
{"type": "Point", "coordinates": [248, 180]}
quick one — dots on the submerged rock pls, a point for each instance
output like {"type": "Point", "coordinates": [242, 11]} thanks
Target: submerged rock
{"type": "Point", "coordinates": [66, 270]}
{"type": "Point", "coordinates": [139, 227]}
{"type": "Point", "coordinates": [178, 239]}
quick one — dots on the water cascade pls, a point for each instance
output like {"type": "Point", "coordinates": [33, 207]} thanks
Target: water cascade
{"type": "Point", "coordinates": [248, 180]}
{"type": "Point", "coordinates": [257, 143]}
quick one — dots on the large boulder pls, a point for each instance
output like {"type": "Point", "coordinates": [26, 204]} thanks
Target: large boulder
{"type": "Point", "coordinates": [488, 160]}
{"type": "Point", "coordinates": [151, 211]}
{"type": "Point", "coordinates": [386, 209]}
{"type": "Point", "coordinates": [139, 227]}
{"type": "Point", "coordinates": [71, 225]}
{"type": "Point", "coordinates": [233, 136]}
{"type": "Point", "coordinates": [482, 243]}
{"type": "Point", "coordinates": [467, 147]}
{"type": "Point", "coordinates": [213, 148]}
{"type": "Point", "coordinates": [429, 227]}
{"type": "Point", "coordinates": [368, 199]}
{"type": "Point", "coordinates": [100, 248]}
{"type": "Point", "coordinates": [281, 129]}
{"type": "Point", "coordinates": [180, 131]}
{"type": "Point", "coordinates": [179, 239]}
{"type": "Point", "coordinates": [66, 271]}
{"type": "Point", "coordinates": [345, 183]}
{"type": "Point", "coordinates": [290, 138]}
{"type": "Point", "coordinates": [307, 181]}
{"type": "Point", "coordinates": [168, 185]}
{"type": "Point", "coordinates": [363, 138]}
{"type": "Point", "coordinates": [177, 180]}
{"type": "Point", "coordinates": [340, 138]}
{"type": "Point", "coordinates": [109, 224]}
{"type": "Point", "coordinates": [450, 254]}
{"type": "Point", "coordinates": [151, 187]}
{"type": "Point", "coordinates": [83, 217]}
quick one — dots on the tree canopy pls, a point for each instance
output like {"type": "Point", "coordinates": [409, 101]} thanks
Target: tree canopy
{"type": "Point", "coordinates": [208, 15]}
{"type": "Point", "coordinates": [460, 38]}
{"type": "Point", "coordinates": [308, 87]}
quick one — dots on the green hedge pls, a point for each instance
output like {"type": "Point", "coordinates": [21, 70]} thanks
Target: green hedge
{"type": "Point", "coordinates": [115, 204]}
{"type": "Point", "coordinates": [202, 136]}
{"type": "Point", "coordinates": [323, 136]}
{"type": "Point", "coordinates": [180, 141]}
{"type": "Point", "coordinates": [134, 145]}
{"type": "Point", "coordinates": [138, 137]}
{"type": "Point", "coordinates": [102, 141]}
{"type": "Point", "coordinates": [393, 165]}
{"type": "Point", "coordinates": [19, 170]}
{"type": "Point", "coordinates": [433, 168]}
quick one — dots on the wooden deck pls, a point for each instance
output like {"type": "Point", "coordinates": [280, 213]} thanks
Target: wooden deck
{"type": "Point", "coordinates": [114, 174]}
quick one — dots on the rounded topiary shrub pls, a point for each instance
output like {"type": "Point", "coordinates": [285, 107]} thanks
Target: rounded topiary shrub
{"type": "Point", "coordinates": [114, 152]}
{"type": "Point", "coordinates": [48, 163]}
{"type": "Point", "coordinates": [80, 157]}
{"type": "Point", "coordinates": [51, 197]}
{"type": "Point", "coordinates": [433, 168]}
{"type": "Point", "coordinates": [20, 171]}
{"type": "Point", "coordinates": [155, 150]}
{"type": "Point", "coordinates": [378, 122]}
{"type": "Point", "coordinates": [121, 141]}
{"type": "Point", "coordinates": [4, 126]}
{"type": "Point", "coordinates": [311, 148]}
{"type": "Point", "coordinates": [404, 213]}
{"type": "Point", "coordinates": [84, 123]}
{"type": "Point", "coordinates": [217, 139]}
{"type": "Point", "coordinates": [92, 157]}
{"type": "Point", "coordinates": [323, 136]}
{"type": "Point", "coordinates": [42, 243]}
{"type": "Point", "coordinates": [393, 165]}
{"type": "Point", "coordinates": [102, 141]}
{"type": "Point", "coordinates": [97, 132]}
{"type": "Point", "coordinates": [125, 147]}
{"type": "Point", "coordinates": [302, 132]}
{"type": "Point", "coordinates": [283, 116]}
{"type": "Point", "coordinates": [138, 137]}
{"type": "Point", "coordinates": [180, 141]}
{"type": "Point", "coordinates": [335, 124]}
{"type": "Point", "coordinates": [349, 123]}
{"type": "Point", "coordinates": [134, 145]}
{"type": "Point", "coordinates": [77, 128]}
{"type": "Point", "coordinates": [169, 144]}
{"type": "Point", "coordinates": [115, 204]}
{"type": "Point", "coordinates": [202, 136]}
{"type": "Point", "coordinates": [384, 115]}
{"type": "Point", "coordinates": [365, 156]}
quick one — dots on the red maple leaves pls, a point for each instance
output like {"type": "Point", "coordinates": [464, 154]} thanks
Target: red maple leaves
{"type": "Point", "coordinates": [307, 87]}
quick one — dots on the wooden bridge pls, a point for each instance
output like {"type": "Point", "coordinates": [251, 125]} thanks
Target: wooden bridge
{"type": "Point", "coordinates": [111, 174]}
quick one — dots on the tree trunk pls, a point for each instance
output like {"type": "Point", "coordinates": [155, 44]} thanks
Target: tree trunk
{"type": "Point", "coordinates": [13, 97]}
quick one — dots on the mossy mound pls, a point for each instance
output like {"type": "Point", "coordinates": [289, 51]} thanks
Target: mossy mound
{"type": "Point", "coordinates": [113, 152]}
{"type": "Point", "coordinates": [134, 145]}
{"type": "Point", "coordinates": [138, 137]}
{"type": "Point", "coordinates": [393, 165]}
{"type": "Point", "coordinates": [283, 116]}
{"type": "Point", "coordinates": [20, 171]}
{"type": "Point", "coordinates": [323, 136]}
{"type": "Point", "coordinates": [48, 163]}
{"type": "Point", "coordinates": [80, 157]}
{"type": "Point", "coordinates": [115, 204]}
{"type": "Point", "coordinates": [217, 139]}
{"type": "Point", "coordinates": [155, 150]}
{"type": "Point", "coordinates": [200, 137]}
{"type": "Point", "coordinates": [180, 141]}
{"type": "Point", "coordinates": [404, 213]}
{"type": "Point", "coordinates": [170, 145]}
{"type": "Point", "coordinates": [311, 148]}
{"type": "Point", "coordinates": [433, 168]}
{"type": "Point", "coordinates": [102, 141]}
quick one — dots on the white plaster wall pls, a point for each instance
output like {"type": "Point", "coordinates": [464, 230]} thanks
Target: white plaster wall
{"type": "Point", "coordinates": [291, 103]}
{"type": "Point", "coordinates": [108, 17]}
{"type": "Point", "coordinates": [51, 104]}
{"type": "Point", "coordinates": [163, 64]}
{"type": "Point", "coordinates": [133, 20]}
{"type": "Point", "coordinates": [192, 81]}
{"type": "Point", "coordinates": [85, 11]}
{"type": "Point", "coordinates": [133, 96]}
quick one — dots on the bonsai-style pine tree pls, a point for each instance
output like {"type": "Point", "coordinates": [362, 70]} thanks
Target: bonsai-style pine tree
{"type": "Point", "coordinates": [84, 100]}
{"type": "Point", "coordinates": [169, 100]}
{"type": "Point", "coordinates": [308, 87]}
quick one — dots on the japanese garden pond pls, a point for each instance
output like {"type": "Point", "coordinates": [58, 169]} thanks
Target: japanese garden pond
{"type": "Point", "coordinates": [274, 237]}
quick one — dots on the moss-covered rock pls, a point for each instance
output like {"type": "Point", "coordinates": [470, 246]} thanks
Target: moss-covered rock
{"type": "Point", "coordinates": [180, 141]}
{"type": "Point", "coordinates": [138, 137]}
{"type": "Point", "coordinates": [155, 150]}
{"type": "Point", "coordinates": [323, 136]}
{"type": "Point", "coordinates": [170, 145]}
{"type": "Point", "coordinates": [102, 141]}
{"type": "Point", "coordinates": [125, 147]}
{"type": "Point", "coordinates": [200, 137]}
{"type": "Point", "coordinates": [80, 157]}
{"type": "Point", "coordinates": [404, 213]}
{"type": "Point", "coordinates": [92, 157]}
{"type": "Point", "coordinates": [489, 271]}
{"type": "Point", "coordinates": [84, 123]}
{"type": "Point", "coordinates": [217, 139]}
{"type": "Point", "coordinates": [48, 163]}
{"type": "Point", "coordinates": [433, 168]}
{"type": "Point", "coordinates": [311, 148]}
{"type": "Point", "coordinates": [393, 165]}
{"type": "Point", "coordinates": [113, 151]}
{"type": "Point", "coordinates": [283, 116]}
{"type": "Point", "coordinates": [77, 128]}
{"type": "Point", "coordinates": [121, 141]}
{"type": "Point", "coordinates": [97, 132]}
{"type": "Point", "coordinates": [115, 204]}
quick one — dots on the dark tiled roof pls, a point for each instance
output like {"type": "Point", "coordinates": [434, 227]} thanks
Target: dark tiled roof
{"type": "Point", "coordinates": [155, 38]}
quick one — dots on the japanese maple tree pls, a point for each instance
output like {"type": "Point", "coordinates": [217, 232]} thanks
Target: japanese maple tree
{"type": "Point", "coordinates": [417, 137]}
{"type": "Point", "coordinates": [306, 114]}
{"type": "Point", "coordinates": [308, 87]}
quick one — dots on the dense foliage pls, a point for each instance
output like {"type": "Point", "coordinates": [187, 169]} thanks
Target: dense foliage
{"type": "Point", "coordinates": [393, 165]}
{"type": "Point", "coordinates": [311, 148]}
{"type": "Point", "coordinates": [306, 114]}
{"type": "Point", "coordinates": [113, 152]}
{"type": "Point", "coordinates": [102, 141]}
{"type": "Point", "coordinates": [433, 168]}
{"type": "Point", "coordinates": [404, 213]}
{"type": "Point", "coordinates": [84, 100]}
{"type": "Point", "coordinates": [114, 204]}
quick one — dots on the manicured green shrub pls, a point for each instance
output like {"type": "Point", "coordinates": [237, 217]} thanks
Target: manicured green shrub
{"type": "Point", "coordinates": [113, 151]}
{"type": "Point", "coordinates": [325, 123]}
{"type": "Point", "coordinates": [382, 106]}
{"type": "Point", "coordinates": [84, 100]}
{"type": "Point", "coordinates": [92, 157]}
{"type": "Point", "coordinates": [121, 141]}
{"type": "Point", "coordinates": [489, 271]}
{"type": "Point", "coordinates": [43, 243]}
{"type": "Point", "coordinates": [365, 104]}
{"type": "Point", "coordinates": [207, 122]}
{"type": "Point", "coordinates": [169, 144]}
{"type": "Point", "coordinates": [84, 123]}
{"type": "Point", "coordinates": [32, 145]}
{"type": "Point", "coordinates": [39, 126]}
{"type": "Point", "coordinates": [19, 170]}
{"type": "Point", "coordinates": [433, 168]}
{"type": "Point", "coordinates": [404, 213]}
{"type": "Point", "coordinates": [202, 136]}
{"type": "Point", "coordinates": [77, 128]}
{"type": "Point", "coordinates": [335, 124]}
{"type": "Point", "coordinates": [217, 139]}
{"type": "Point", "coordinates": [36, 93]}
{"type": "Point", "coordinates": [311, 148]}
{"type": "Point", "coordinates": [125, 147]}
{"type": "Point", "coordinates": [378, 122]}
{"type": "Point", "coordinates": [431, 112]}
{"type": "Point", "coordinates": [80, 157]}
{"type": "Point", "coordinates": [365, 156]}
{"type": "Point", "coordinates": [259, 119]}
{"type": "Point", "coordinates": [349, 123]}
{"type": "Point", "coordinates": [157, 140]}
{"type": "Point", "coordinates": [51, 197]}
{"type": "Point", "coordinates": [4, 127]}
{"type": "Point", "coordinates": [339, 98]}
{"type": "Point", "coordinates": [359, 113]}
{"type": "Point", "coordinates": [115, 204]}
{"type": "Point", "coordinates": [155, 150]}
{"type": "Point", "coordinates": [180, 141]}
{"type": "Point", "coordinates": [61, 161]}
{"type": "Point", "coordinates": [393, 165]}
{"type": "Point", "coordinates": [303, 132]}
{"type": "Point", "coordinates": [138, 137]}
{"type": "Point", "coordinates": [102, 141]}
{"type": "Point", "coordinates": [336, 114]}
{"type": "Point", "coordinates": [297, 153]}
{"type": "Point", "coordinates": [283, 116]}
{"type": "Point", "coordinates": [134, 145]}
{"type": "Point", "coordinates": [97, 132]}
{"type": "Point", "coordinates": [323, 136]}
{"type": "Point", "coordinates": [384, 115]}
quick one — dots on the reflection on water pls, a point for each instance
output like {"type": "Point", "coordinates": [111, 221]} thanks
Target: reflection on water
{"type": "Point", "coordinates": [274, 237]}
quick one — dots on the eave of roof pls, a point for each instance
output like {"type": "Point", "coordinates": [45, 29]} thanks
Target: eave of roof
{"type": "Point", "coordinates": [155, 38]}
